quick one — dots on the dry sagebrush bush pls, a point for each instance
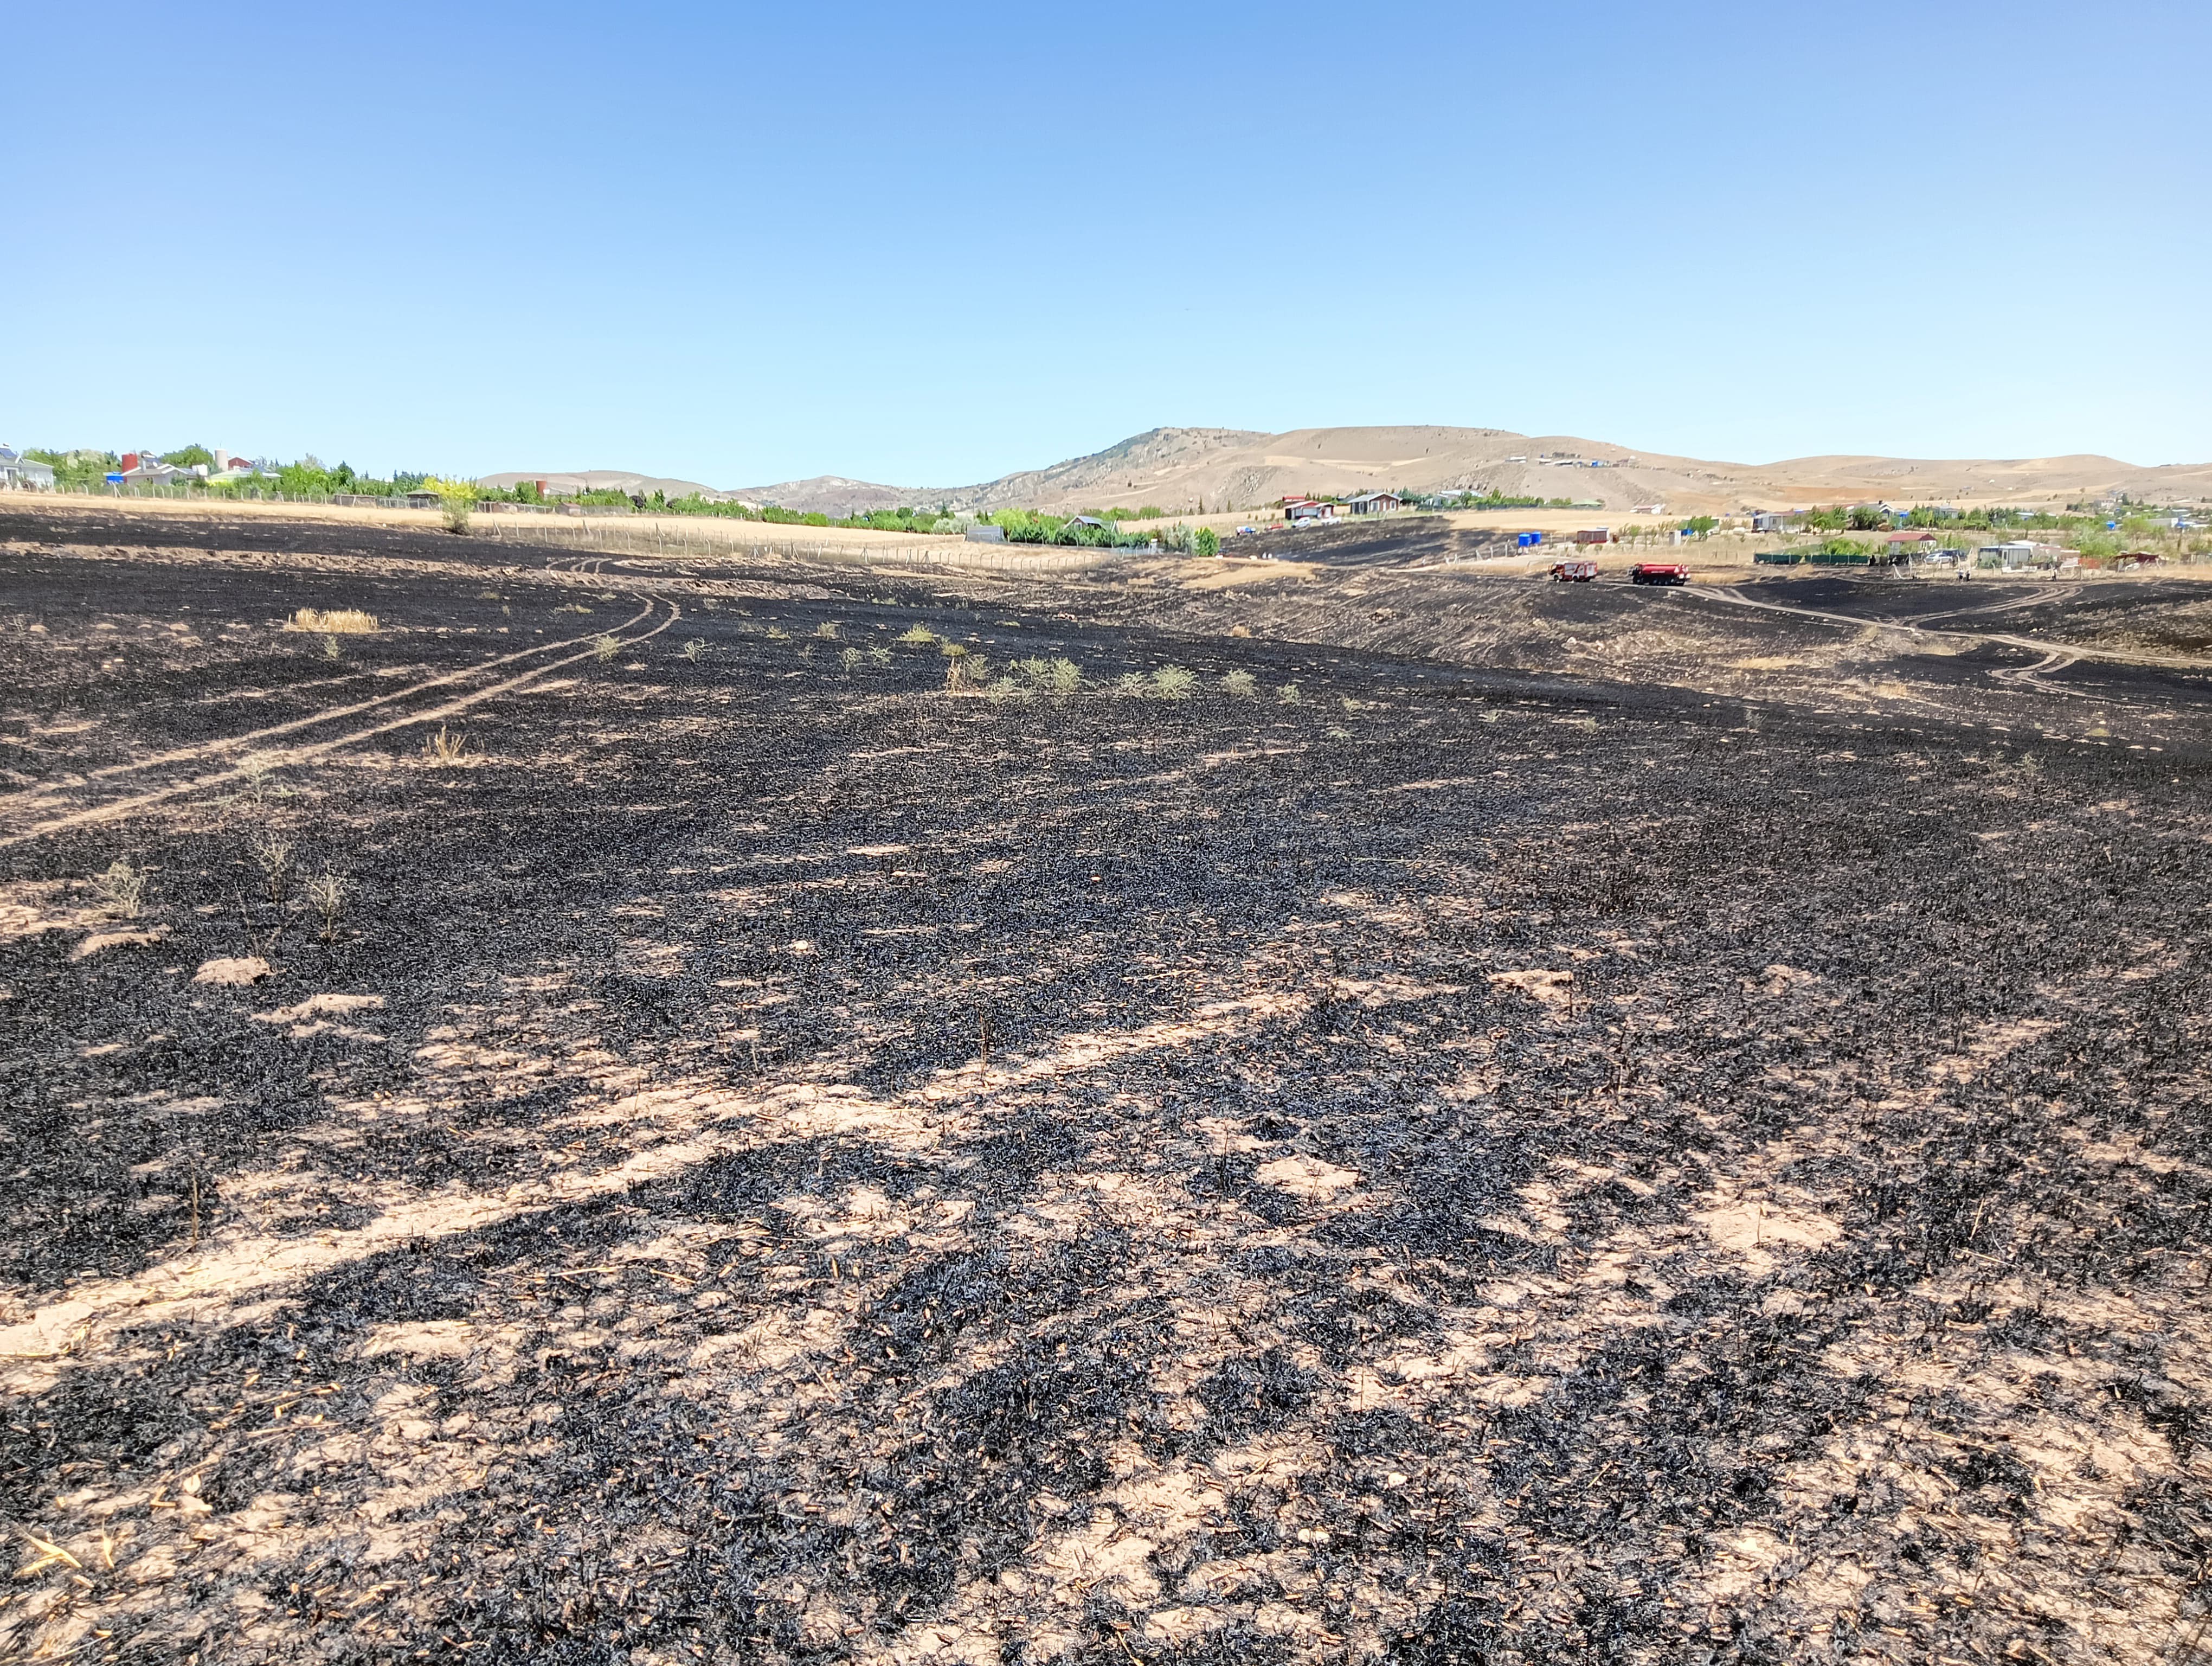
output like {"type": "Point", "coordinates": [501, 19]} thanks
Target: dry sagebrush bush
{"type": "Point", "coordinates": [120, 891]}
{"type": "Point", "coordinates": [327, 896]}
{"type": "Point", "coordinates": [273, 854]}
{"type": "Point", "coordinates": [337, 621]}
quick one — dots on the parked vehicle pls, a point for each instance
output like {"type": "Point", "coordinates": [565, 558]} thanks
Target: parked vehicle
{"type": "Point", "coordinates": [1659, 572]}
{"type": "Point", "coordinates": [1573, 572]}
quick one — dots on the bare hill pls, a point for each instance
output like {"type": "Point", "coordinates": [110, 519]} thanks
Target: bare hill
{"type": "Point", "coordinates": [1184, 469]}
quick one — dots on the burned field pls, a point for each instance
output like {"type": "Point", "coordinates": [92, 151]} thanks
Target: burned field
{"type": "Point", "coordinates": [1607, 1128]}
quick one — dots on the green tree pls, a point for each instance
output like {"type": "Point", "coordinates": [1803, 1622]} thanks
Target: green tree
{"type": "Point", "coordinates": [305, 478]}
{"type": "Point", "coordinates": [1206, 542]}
{"type": "Point", "coordinates": [456, 498]}
{"type": "Point", "coordinates": [188, 457]}
{"type": "Point", "coordinates": [74, 469]}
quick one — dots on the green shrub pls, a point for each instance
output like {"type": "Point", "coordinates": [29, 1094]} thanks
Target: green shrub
{"type": "Point", "coordinates": [1206, 542]}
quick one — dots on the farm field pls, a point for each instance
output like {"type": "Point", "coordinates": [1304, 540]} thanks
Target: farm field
{"type": "Point", "coordinates": [1383, 1114]}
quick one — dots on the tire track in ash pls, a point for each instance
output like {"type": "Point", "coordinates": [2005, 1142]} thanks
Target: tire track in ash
{"type": "Point", "coordinates": [29, 797]}
{"type": "Point", "coordinates": [118, 809]}
{"type": "Point", "coordinates": [2030, 677]}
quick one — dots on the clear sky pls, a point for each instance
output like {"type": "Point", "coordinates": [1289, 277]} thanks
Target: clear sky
{"type": "Point", "coordinates": [929, 244]}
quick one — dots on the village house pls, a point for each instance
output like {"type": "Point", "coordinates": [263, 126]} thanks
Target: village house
{"type": "Point", "coordinates": [19, 473]}
{"type": "Point", "coordinates": [1375, 503]}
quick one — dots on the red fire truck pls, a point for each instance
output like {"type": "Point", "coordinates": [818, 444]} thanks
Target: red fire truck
{"type": "Point", "coordinates": [1659, 572]}
{"type": "Point", "coordinates": [1573, 571]}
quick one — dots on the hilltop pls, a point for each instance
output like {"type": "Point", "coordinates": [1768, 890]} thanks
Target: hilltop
{"type": "Point", "coordinates": [1179, 469]}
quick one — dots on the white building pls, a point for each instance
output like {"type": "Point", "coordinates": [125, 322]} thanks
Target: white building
{"type": "Point", "coordinates": [19, 473]}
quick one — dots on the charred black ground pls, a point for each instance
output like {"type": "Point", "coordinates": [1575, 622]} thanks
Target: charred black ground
{"type": "Point", "coordinates": [1611, 1126]}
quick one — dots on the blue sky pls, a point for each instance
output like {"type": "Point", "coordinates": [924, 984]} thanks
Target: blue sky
{"type": "Point", "coordinates": [743, 244]}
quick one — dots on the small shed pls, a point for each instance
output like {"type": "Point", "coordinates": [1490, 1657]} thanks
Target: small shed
{"type": "Point", "coordinates": [982, 534]}
{"type": "Point", "coordinates": [1594, 535]}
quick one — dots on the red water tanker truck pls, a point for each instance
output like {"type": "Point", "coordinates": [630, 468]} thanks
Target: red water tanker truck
{"type": "Point", "coordinates": [1659, 572]}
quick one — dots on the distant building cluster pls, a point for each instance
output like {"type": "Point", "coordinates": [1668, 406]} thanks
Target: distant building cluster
{"type": "Point", "coordinates": [1299, 510]}
{"type": "Point", "coordinates": [134, 468]}
{"type": "Point", "coordinates": [144, 468]}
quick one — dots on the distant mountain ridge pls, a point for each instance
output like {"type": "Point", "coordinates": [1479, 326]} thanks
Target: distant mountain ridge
{"type": "Point", "coordinates": [1187, 470]}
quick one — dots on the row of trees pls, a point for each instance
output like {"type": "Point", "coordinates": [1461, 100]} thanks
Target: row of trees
{"type": "Point", "coordinates": [1867, 518]}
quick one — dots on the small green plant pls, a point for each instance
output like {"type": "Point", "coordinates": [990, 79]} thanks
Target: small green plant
{"type": "Point", "coordinates": [606, 648]}
{"type": "Point", "coordinates": [919, 636]}
{"type": "Point", "coordinates": [273, 854]}
{"type": "Point", "coordinates": [329, 647]}
{"type": "Point", "coordinates": [777, 633]}
{"type": "Point", "coordinates": [827, 630]}
{"type": "Point", "coordinates": [1239, 684]}
{"type": "Point", "coordinates": [446, 746]}
{"type": "Point", "coordinates": [1289, 695]}
{"type": "Point", "coordinates": [1130, 683]}
{"type": "Point", "coordinates": [1006, 691]}
{"type": "Point", "coordinates": [693, 649]}
{"type": "Point", "coordinates": [1206, 542]}
{"type": "Point", "coordinates": [1066, 677]}
{"type": "Point", "coordinates": [572, 607]}
{"type": "Point", "coordinates": [326, 894]}
{"type": "Point", "coordinates": [850, 659]}
{"type": "Point", "coordinates": [121, 890]}
{"type": "Point", "coordinates": [879, 656]}
{"type": "Point", "coordinates": [1173, 683]}
{"type": "Point", "coordinates": [964, 670]}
